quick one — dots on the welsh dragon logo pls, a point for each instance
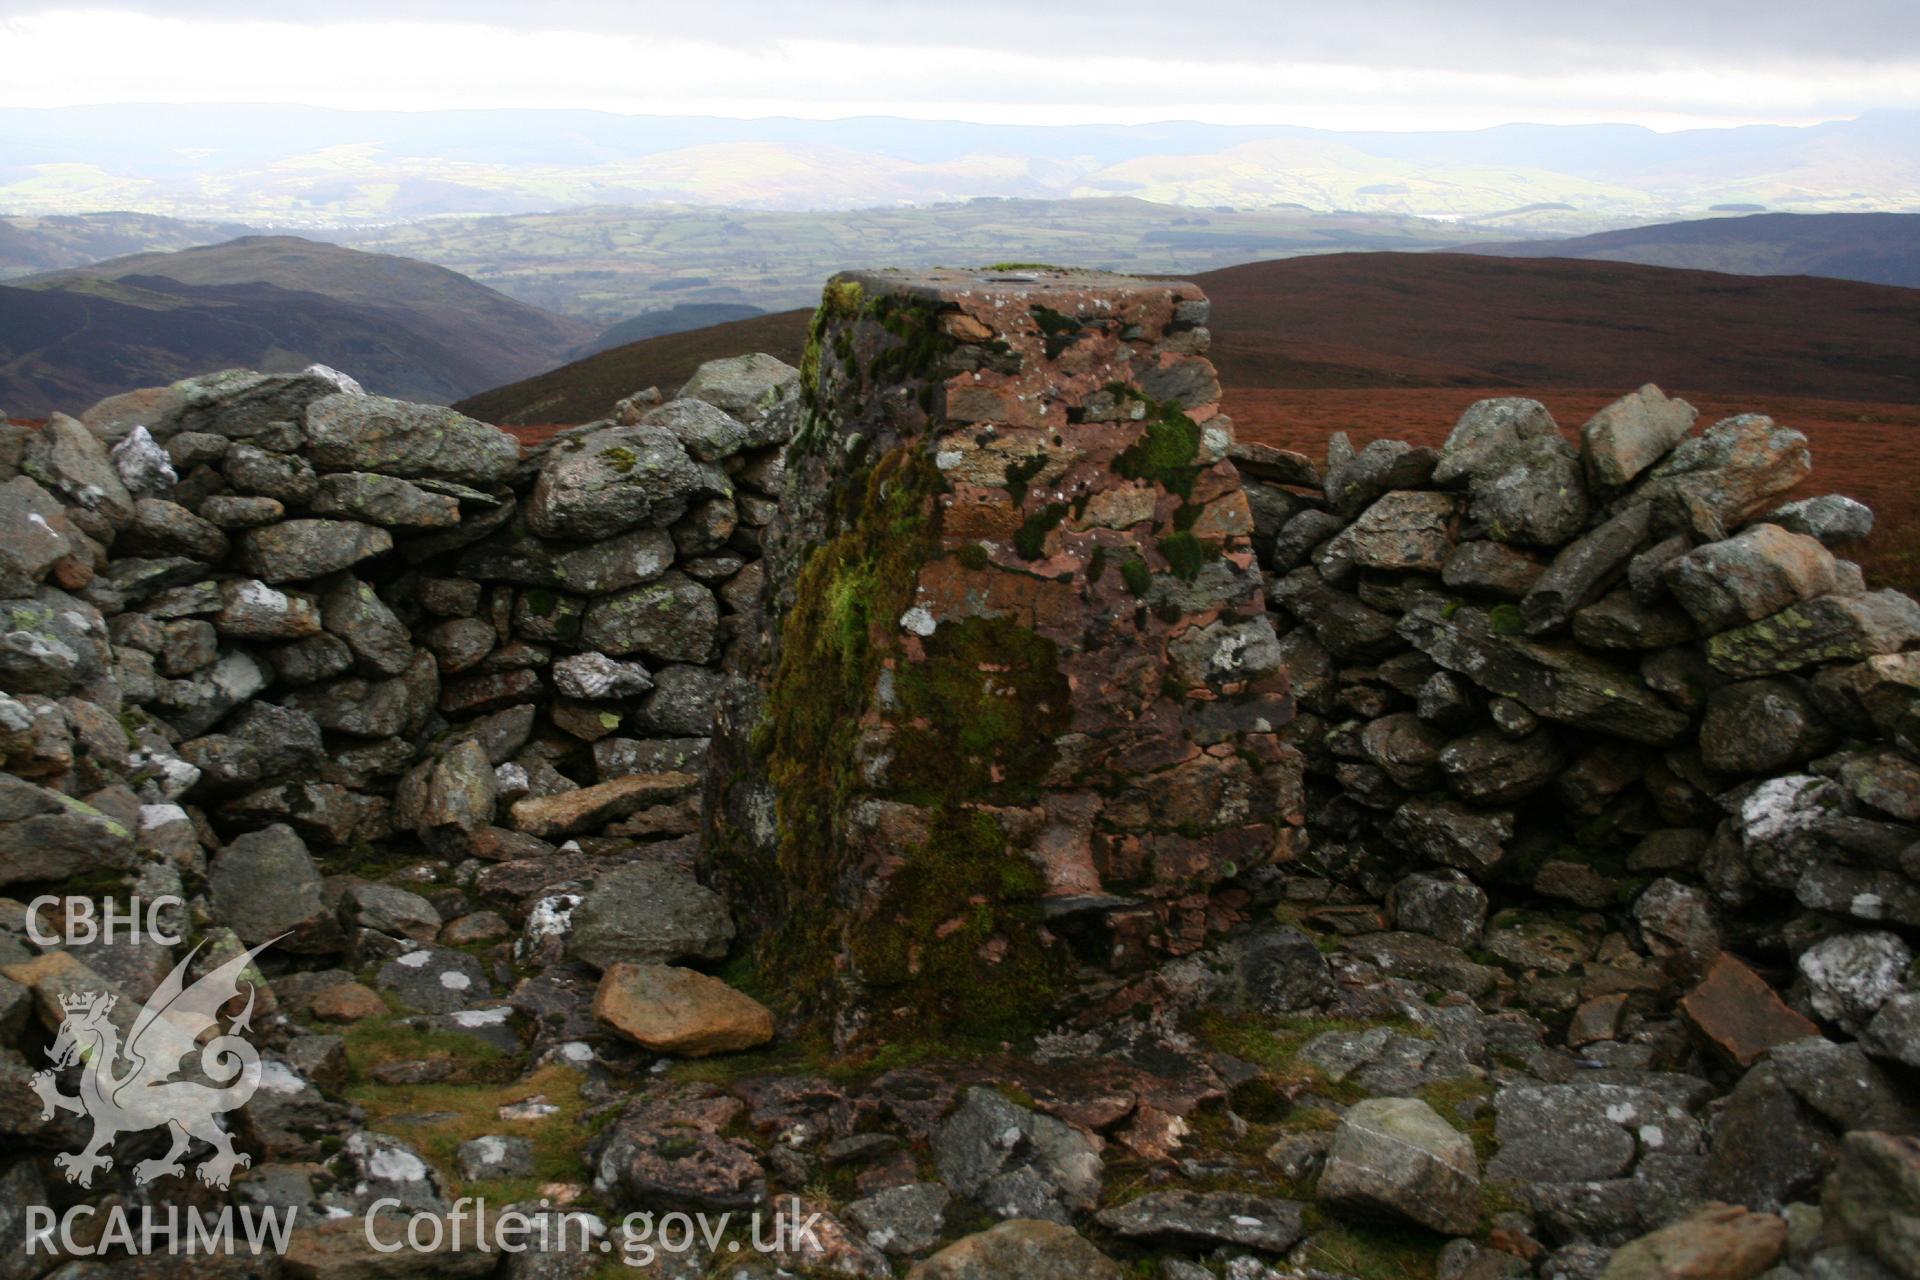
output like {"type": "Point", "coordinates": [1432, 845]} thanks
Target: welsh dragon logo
{"type": "Point", "coordinates": [128, 1087]}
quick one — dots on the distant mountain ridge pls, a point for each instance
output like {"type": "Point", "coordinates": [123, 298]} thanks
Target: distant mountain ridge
{"type": "Point", "coordinates": [1878, 248]}
{"type": "Point", "coordinates": [609, 263]}
{"type": "Point", "coordinates": [306, 166]}
{"type": "Point", "coordinates": [401, 327]}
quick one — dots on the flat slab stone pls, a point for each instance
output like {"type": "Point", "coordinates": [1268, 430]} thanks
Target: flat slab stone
{"type": "Point", "coordinates": [571, 812]}
{"type": "Point", "coordinates": [679, 1011]}
{"type": "Point", "coordinates": [1211, 1218]}
{"type": "Point", "coordinates": [1739, 1014]}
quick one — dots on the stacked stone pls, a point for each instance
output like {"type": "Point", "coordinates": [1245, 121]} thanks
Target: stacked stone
{"type": "Point", "coordinates": [250, 617]}
{"type": "Point", "coordinates": [1625, 696]}
{"type": "Point", "coordinates": [191, 624]}
{"type": "Point", "coordinates": [1024, 699]}
{"type": "Point", "coordinates": [262, 594]}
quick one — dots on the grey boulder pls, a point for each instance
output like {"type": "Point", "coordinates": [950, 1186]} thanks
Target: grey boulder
{"type": "Point", "coordinates": [1207, 1219]}
{"type": "Point", "coordinates": [414, 441]}
{"type": "Point", "coordinates": [1632, 434]}
{"type": "Point", "coordinates": [747, 387]}
{"type": "Point", "coordinates": [264, 884]}
{"type": "Point", "coordinates": [648, 913]}
{"type": "Point", "coordinates": [1833, 518]}
{"type": "Point", "coordinates": [1759, 571]}
{"type": "Point", "coordinates": [74, 465]}
{"type": "Point", "coordinates": [672, 619]}
{"type": "Point", "coordinates": [297, 549]}
{"type": "Point", "coordinates": [608, 481]}
{"type": "Point", "coordinates": [1015, 1163]}
{"type": "Point", "coordinates": [1396, 1158]}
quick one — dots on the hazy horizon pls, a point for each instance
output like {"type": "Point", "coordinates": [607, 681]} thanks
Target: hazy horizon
{"type": "Point", "coordinates": [1667, 128]}
{"type": "Point", "coordinates": [1400, 65]}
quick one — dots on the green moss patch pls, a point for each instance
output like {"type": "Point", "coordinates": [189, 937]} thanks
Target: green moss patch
{"type": "Point", "coordinates": [1374, 1251]}
{"type": "Point", "coordinates": [1165, 454]}
{"type": "Point", "coordinates": [437, 1118]}
{"type": "Point", "coordinates": [840, 302]}
{"type": "Point", "coordinates": [955, 941]}
{"type": "Point", "coordinates": [987, 704]}
{"type": "Point", "coordinates": [919, 347]}
{"type": "Point", "coordinates": [1187, 555]}
{"type": "Point", "coordinates": [855, 584]}
{"type": "Point", "coordinates": [958, 893]}
{"type": "Point", "coordinates": [1030, 540]}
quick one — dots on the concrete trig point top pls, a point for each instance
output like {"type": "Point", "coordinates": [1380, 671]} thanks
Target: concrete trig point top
{"type": "Point", "coordinates": [1014, 558]}
{"type": "Point", "coordinates": [1024, 340]}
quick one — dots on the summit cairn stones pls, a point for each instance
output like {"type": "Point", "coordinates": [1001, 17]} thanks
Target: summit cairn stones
{"type": "Point", "coordinates": [1023, 696]}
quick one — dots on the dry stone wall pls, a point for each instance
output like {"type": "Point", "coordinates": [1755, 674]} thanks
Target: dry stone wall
{"type": "Point", "coordinates": [1623, 685]}
{"type": "Point", "coordinates": [379, 629]}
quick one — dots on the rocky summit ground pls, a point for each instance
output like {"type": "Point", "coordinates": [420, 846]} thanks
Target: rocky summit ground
{"type": "Point", "coordinates": [1591, 957]}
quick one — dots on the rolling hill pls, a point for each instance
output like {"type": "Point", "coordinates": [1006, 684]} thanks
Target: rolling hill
{"type": "Point", "coordinates": [1399, 320]}
{"type": "Point", "coordinates": [588, 388]}
{"type": "Point", "coordinates": [1879, 248]}
{"type": "Point", "coordinates": [29, 246]}
{"type": "Point", "coordinates": [271, 302]}
{"type": "Point", "coordinates": [675, 319]}
{"type": "Point", "coordinates": [1449, 319]}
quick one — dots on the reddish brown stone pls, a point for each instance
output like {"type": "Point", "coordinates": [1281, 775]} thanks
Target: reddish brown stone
{"type": "Point", "coordinates": [479, 927]}
{"type": "Point", "coordinates": [679, 1011]}
{"type": "Point", "coordinates": [473, 694]}
{"type": "Point", "coordinates": [1152, 1134]}
{"type": "Point", "coordinates": [1714, 1242]}
{"type": "Point", "coordinates": [1596, 1019]}
{"type": "Point", "coordinates": [557, 816]}
{"type": "Point", "coordinates": [346, 1002]}
{"type": "Point", "coordinates": [1736, 1012]}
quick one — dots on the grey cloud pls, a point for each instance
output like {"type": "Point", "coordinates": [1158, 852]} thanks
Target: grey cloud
{"type": "Point", "coordinates": [1526, 36]}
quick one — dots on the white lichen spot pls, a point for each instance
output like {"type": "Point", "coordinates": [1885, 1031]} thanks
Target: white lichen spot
{"type": "Point", "coordinates": [259, 595]}
{"type": "Point", "coordinates": [395, 1164]}
{"type": "Point", "coordinates": [454, 980]}
{"type": "Point", "coordinates": [920, 621]}
{"type": "Point", "coordinates": [153, 816]}
{"type": "Point", "coordinates": [279, 1078]}
{"type": "Point", "coordinates": [1779, 807]}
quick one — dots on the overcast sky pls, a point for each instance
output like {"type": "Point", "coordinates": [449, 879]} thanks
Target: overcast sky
{"type": "Point", "coordinates": [1390, 64]}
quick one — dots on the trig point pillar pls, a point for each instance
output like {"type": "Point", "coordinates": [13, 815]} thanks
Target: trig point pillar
{"type": "Point", "coordinates": [1018, 728]}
